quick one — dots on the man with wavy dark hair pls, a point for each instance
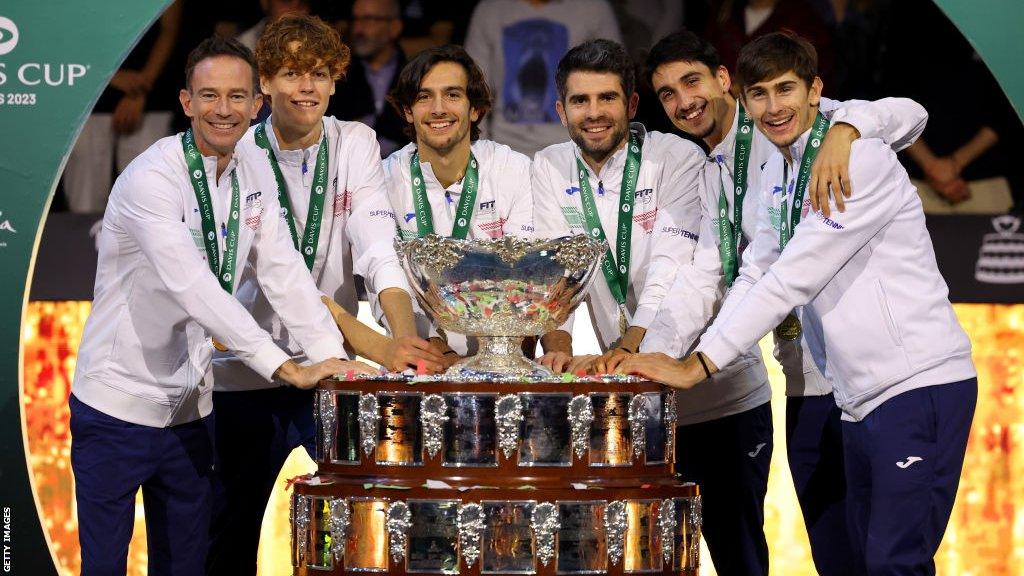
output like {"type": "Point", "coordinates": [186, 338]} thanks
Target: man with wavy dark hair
{"type": "Point", "coordinates": [326, 175]}
{"type": "Point", "coordinates": [448, 181]}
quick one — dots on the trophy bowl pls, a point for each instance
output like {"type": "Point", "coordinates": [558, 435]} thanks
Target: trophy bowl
{"type": "Point", "coordinates": [499, 291]}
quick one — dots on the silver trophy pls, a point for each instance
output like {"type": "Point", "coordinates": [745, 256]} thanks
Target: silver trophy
{"type": "Point", "coordinates": [499, 291]}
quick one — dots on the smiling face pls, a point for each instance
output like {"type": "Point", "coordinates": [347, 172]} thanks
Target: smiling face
{"type": "Point", "coordinates": [298, 100]}
{"type": "Point", "coordinates": [783, 107]}
{"type": "Point", "coordinates": [597, 112]}
{"type": "Point", "coordinates": [220, 103]}
{"type": "Point", "coordinates": [441, 113]}
{"type": "Point", "coordinates": [696, 99]}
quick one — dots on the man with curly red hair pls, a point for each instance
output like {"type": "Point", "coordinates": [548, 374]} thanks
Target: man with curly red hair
{"type": "Point", "coordinates": [327, 176]}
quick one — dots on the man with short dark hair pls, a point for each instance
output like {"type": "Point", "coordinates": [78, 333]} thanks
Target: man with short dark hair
{"type": "Point", "coordinates": [635, 190]}
{"type": "Point", "coordinates": [141, 398]}
{"type": "Point", "coordinates": [448, 181]}
{"type": "Point", "coordinates": [693, 87]}
{"type": "Point", "coordinates": [869, 286]}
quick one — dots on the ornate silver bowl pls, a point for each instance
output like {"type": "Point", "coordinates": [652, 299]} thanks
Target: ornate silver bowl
{"type": "Point", "coordinates": [499, 291]}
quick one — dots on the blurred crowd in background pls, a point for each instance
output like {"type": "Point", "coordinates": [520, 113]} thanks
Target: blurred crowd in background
{"type": "Point", "coordinates": [868, 49]}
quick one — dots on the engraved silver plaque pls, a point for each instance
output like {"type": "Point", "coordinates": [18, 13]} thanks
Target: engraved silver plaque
{"type": "Point", "coordinates": [399, 442]}
{"type": "Point", "coordinates": [642, 552]}
{"type": "Point", "coordinates": [366, 544]}
{"type": "Point", "coordinates": [345, 438]}
{"type": "Point", "coordinates": [670, 417]}
{"type": "Point", "coordinates": [546, 437]}
{"type": "Point", "coordinates": [582, 545]}
{"type": "Point", "coordinates": [508, 546]}
{"type": "Point", "coordinates": [655, 434]}
{"type": "Point", "coordinates": [611, 441]}
{"type": "Point", "coordinates": [686, 541]}
{"type": "Point", "coordinates": [470, 431]}
{"type": "Point", "coordinates": [321, 534]}
{"type": "Point", "coordinates": [433, 537]}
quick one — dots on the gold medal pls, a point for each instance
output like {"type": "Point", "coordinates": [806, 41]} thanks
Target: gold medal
{"type": "Point", "coordinates": [789, 329]}
{"type": "Point", "coordinates": [622, 322]}
{"type": "Point", "coordinates": [219, 346]}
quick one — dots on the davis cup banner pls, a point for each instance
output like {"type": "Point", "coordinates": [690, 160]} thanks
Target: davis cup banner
{"type": "Point", "coordinates": [55, 59]}
{"type": "Point", "coordinates": [56, 56]}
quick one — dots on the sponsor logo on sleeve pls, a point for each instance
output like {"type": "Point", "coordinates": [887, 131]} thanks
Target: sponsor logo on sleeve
{"type": "Point", "coordinates": [486, 207]}
{"type": "Point", "coordinates": [646, 220]}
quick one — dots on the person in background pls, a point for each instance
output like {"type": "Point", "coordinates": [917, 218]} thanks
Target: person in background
{"type": "Point", "coordinates": [518, 44]}
{"type": "Point", "coordinates": [361, 94]}
{"type": "Point", "coordinates": [272, 10]}
{"type": "Point", "coordinates": [132, 113]}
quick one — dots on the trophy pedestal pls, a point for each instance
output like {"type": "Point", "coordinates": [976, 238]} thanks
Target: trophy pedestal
{"type": "Point", "coordinates": [486, 476]}
{"type": "Point", "coordinates": [499, 356]}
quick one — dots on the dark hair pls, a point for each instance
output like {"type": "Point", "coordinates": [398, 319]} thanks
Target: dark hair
{"type": "Point", "coordinates": [219, 46]}
{"type": "Point", "coordinates": [403, 95]}
{"type": "Point", "coordinates": [597, 55]}
{"type": "Point", "coordinates": [681, 46]}
{"type": "Point", "coordinates": [772, 55]}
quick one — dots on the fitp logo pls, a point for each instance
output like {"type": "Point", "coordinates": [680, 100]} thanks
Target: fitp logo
{"type": "Point", "coordinates": [8, 35]}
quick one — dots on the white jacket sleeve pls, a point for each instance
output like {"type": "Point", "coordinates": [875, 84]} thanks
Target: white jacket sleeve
{"type": "Point", "coordinates": [819, 248]}
{"type": "Point", "coordinates": [151, 214]}
{"type": "Point", "coordinates": [898, 122]}
{"type": "Point", "coordinates": [690, 302]}
{"type": "Point", "coordinates": [285, 280]}
{"type": "Point", "coordinates": [370, 225]}
{"type": "Point", "coordinates": [677, 228]}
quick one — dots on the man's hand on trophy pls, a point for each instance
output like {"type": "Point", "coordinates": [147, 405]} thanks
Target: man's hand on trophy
{"type": "Point", "coordinates": [442, 349]}
{"type": "Point", "coordinates": [557, 361]}
{"type": "Point", "coordinates": [659, 367]}
{"type": "Point", "coordinates": [582, 364]}
{"type": "Point", "coordinates": [410, 352]}
{"type": "Point", "coordinates": [307, 377]}
{"type": "Point", "coordinates": [610, 360]}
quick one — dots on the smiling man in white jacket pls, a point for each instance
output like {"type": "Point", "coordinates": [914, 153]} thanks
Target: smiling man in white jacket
{"type": "Point", "coordinates": [327, 178]}
{"type": "Point", "coordinates": [182, 220]}
{"type": "Point", "coordinates": [448, 181]}
{"type": "Point", "coordinates": [725, 426]}
{"type": "Point", "coordinates": [869, 284]}
{"type": "Point", "coordinates": [635, 190]}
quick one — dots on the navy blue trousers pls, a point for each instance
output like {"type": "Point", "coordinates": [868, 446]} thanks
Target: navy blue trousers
{"type": "Point", "coordinates": [729, 458]}
{"type": "Point", "coordinates": [814, 446]}
{"type": "Point", "coordinates": [111, 460]}
{"type": "Point", "coordinates": [903, 463]}
{"type": "Point", "coordinates": [255, 432]}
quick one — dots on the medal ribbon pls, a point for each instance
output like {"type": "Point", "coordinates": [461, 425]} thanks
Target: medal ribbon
{"type": "Point", "coordinates": [317, 193]}
{"type": "Point", "coordinates": [223, 270]}
{"type": "Point", "coordinates": [464, 210]}
{"type": "Point", "coordinates": [814, 140]}
{"type": "Point", "coordinates": [616, 270]}
{"type": "Point", "coordinates": [730, 232]}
